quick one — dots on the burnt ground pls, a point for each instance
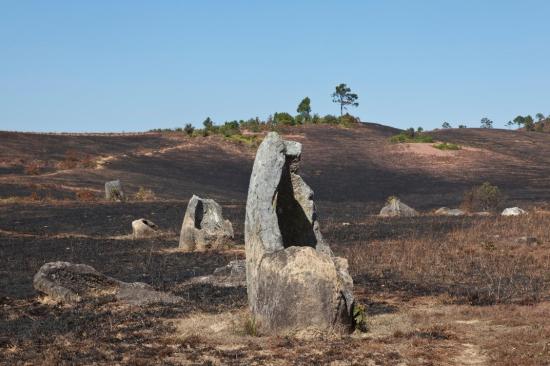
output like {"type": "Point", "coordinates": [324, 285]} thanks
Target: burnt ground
{"type": "Point", "coordinates": [438, 291]}
{"type": "Point", "coordinates": [356, 166]}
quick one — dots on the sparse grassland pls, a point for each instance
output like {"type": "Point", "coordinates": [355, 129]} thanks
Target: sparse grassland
{"type": "Point", "coordinates": [438, 289]}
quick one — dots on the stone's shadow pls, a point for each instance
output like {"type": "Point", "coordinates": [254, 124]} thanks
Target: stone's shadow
{"type": "Point", "coordinates": [380, 307]}
{"type": "Point", "coordinates": [199, 214]}
{"type": "Point", "coordinates": [296, 229]}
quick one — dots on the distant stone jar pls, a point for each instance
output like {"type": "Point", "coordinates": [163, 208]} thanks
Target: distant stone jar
{"type": "Point", "coordinates": [204, 227]}
{"type": "Point", "coordinates": [293, 279]}
{"type": "Point", "coordinates": [396, 208]}
{"type": "Point", "coordinates": [142, 228]}
{"type": "Point", "coordinates": [114, 191]}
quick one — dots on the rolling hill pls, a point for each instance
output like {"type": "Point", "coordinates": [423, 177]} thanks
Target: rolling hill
{"type": "Point", "coordinates": [356, 167]}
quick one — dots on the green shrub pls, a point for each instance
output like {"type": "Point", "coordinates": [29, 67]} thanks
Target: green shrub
{"type": "Point", "coordinates": [407, 137]}
{"type": "Point", "coordinates": [359, 317]}
{"type": "Point", "coordinates": [300, 119]}
{"type": "Point", "coordinates": [348, 120]}
{"type": "Point", "coordinates": [229, 128]}
{"type": "Point", "coordinates": [283, 118]}
{"type": "Point", "coordinates": [485, 197]}
{"type": "Point", "coordinates": [188, 129]}
{"type": "Point", "coordinates": [329, 119]}
{"type": "Point", "coordinates": [447, 146]}
{"type": "Point", "coordinates": [252, 140]}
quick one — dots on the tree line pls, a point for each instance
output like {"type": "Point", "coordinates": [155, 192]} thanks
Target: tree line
{"type": "Point", "coordinates": [342, 95]}
{"type": "Point", "coordinates": [527, 122]}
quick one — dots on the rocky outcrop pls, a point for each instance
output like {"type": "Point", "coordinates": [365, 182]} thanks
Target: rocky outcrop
{"type": "Point", "coordinates": [445, 211]}
{"type": "Point", "coordinates": [231, 275]}
{"type": "Point", "coordinates": [143, 228]}
{"type": "Point", "coordinates": [72, 283]}
{"type": "Point", "coordinates": [114, 191]}
{"type": "Point", "coordinates": [293, 279]}
{"type": "Point", "coordinates": [396, 208]}
{"type": "Point", "coordinates": [204, 226]}
{"type": "Point", "coordinates": [513, 211]}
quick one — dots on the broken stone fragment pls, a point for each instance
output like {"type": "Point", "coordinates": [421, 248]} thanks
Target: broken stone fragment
{"type": "Point", "coordinates": [73, 283]}
{"type": "Point", "coordinates": [445, 211]}
{"type": "Point", "coordinates": [204, 226]}
{"type": "Point", "coordinates": [230, 275]}
{"type": "Point", "coordinates": [293, 279]}
{"type": "Point", "coordinates": [396, 208]}
{"type": "Point", "coordinates": [114, 191]}
{"type": "Point", "coordinates": [143, 228]}
{"type": "Point", "coordinates": [513, 211]}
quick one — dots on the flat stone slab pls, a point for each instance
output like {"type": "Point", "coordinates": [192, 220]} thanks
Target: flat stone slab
{"type": "Point", "coordinates": [73, 283]}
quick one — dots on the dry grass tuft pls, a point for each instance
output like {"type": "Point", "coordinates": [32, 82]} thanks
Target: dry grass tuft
{"type": "Point", "coordinates": [144, 194]}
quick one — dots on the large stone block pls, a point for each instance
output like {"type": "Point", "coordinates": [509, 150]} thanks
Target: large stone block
{"type": "Point", "coordinates": [293, 279]}
{"type": "Point", "coordinates": [204, 227]}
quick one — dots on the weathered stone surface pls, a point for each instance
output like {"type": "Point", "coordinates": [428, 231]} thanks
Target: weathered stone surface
{"type": "Point", "coordinates": [513, 211]}
{"type": "Point", "coordinates": [204, 226]}
{"type": "Point", "coordinates": [445, 211]}
{"type": "Point", "coordinates": [397, 208]}
{"type": "Point", "coordinates": [114, 191]}
{"type": "Point", "coordinates": [73, 283]}
{"type": "Point", "coordinates": [142, 228]}
{"type": "Point", "coordinates": [231, 275]}
{"type": "Point", "coordinates": [293, 279]}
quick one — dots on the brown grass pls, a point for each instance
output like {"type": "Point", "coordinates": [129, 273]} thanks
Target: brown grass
{"type": "Point", "coordinates": [86, 195]}
{"type": "Point", "coordinates": [34, 167]}
{"type": "Point", "coordinates": [476, 261]}
{"type": "Point", "coordinates": [73, 159]}
{"type": "Point", "coordinates": [144, 194]}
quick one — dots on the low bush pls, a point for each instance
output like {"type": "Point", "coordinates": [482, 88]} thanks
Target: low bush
{"type": "Point", "coordinates": [144, 194]}
{"type": "Point", "coordinates": [283, 118]}
{"type": "Point", "coordinates": [407, 137]}
{"type": "Point", "coordinates": [347, 120]}
{"type": "Point", "coordinates": [447, 146]}
{"type": "Point", "coordinates": [485, 197]}
{"type": "Point", "coordinates": [248, 140]}
{"type": "Point", "coordinates": [33, 168]}
{"type": "Point", "coordinates": [85, 195]}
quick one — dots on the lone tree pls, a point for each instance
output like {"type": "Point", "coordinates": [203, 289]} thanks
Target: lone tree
{"type": "Point", "coordinates": [208, 123]}
{"type": "Point", "coordinates": [344, 97]}
{"type": "Point", "coordinates": [304, 108]}
{"type": "Point", "coordinates": [446, 125]}
{"type": "Point", "coordinates": [519, 120]}
{"type": "Point", "coordinates": [486, 123]}
{"type": "Point", "coordinates": [529, 123]}
{"type": "Point", "coordinates": [189, 129]}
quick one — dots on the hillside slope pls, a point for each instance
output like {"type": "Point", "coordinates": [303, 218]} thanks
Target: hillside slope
{"type": "Point", "coordinates": [356, 167]}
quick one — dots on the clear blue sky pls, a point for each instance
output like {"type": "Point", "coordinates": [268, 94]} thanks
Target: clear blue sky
{"type": "Point", "coordinates": [136, 65]}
